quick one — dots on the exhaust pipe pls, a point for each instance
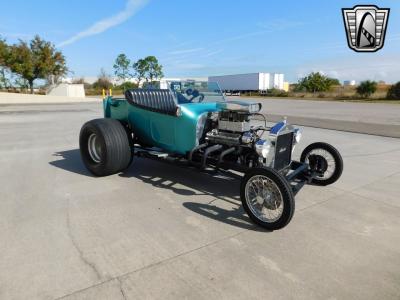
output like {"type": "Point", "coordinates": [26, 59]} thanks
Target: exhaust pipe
{"type": "Point", "coordinates": [208, 151]}
{"type": "Point", "coordinates": [196, 149]}
{"type": "Point", "coordinates": [224, 153]}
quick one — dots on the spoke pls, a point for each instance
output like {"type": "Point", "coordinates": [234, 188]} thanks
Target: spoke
{"type": "Point", "coordinates": [254, 190]}
{"type": "Point", "coordinates": [271, 208]}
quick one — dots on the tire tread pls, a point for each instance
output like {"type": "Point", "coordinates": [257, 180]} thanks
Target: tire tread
{"type": "Point", "coordinates": [118, 151]}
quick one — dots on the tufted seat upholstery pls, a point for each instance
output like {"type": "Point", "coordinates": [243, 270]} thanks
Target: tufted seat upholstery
{"type": "Point", "coordinates": [160, 100]}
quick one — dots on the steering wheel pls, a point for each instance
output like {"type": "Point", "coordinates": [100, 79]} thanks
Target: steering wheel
{"type": "Point", "coordinates": [189, 92]}
{"type": "Point", "coordinates": [194, 94]}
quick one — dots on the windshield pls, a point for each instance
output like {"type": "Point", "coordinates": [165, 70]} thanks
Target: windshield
{"type": "Point", "coordinates": [196, 91]}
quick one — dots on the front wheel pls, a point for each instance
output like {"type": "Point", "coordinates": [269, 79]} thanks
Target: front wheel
{"type": "Point", "coordinates": [105, 147]}
{"type": "Point", "coordinates": [325, 160]}
{"type": "Point", "coordinates": [267, 198]}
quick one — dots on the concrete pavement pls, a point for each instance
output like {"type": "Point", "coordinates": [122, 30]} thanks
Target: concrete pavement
{"type": "Point", "coordinates": [159, 231]}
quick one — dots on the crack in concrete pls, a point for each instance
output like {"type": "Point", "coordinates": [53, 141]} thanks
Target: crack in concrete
{"type": "Point", "coordinates": [121, 288]}
{"type": "Point", "coordinates": [154, 264]}
{"type": "Point", "coordinates": [212, 201]}
{"type": "Point", "coordinates": [90, 264]}
{"type": "Point", "coordinates": [321, 202]}
{"type": "Point", "coordinates": [373, 182]}
{"type": "Point", "coordinates": [375, 200]}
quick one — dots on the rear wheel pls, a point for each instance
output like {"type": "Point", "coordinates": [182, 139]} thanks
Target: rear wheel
{"type": "Point", "coordinates": [267, 198]}
{"type": "Point", "coordinates": [325, 160]}
{"type": "Point", "coordinates": [105, 147]}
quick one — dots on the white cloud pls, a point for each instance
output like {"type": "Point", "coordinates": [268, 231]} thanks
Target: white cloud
{"type": "Point", "coordinates": [185, 51]}
{"type": "Point", "coordinates": [212, 53]}
{"type": "Point", "coordinates": [132, 6]}
{"type": "Point", "coordinates": [267, 27]}
{"type": "Point", "coordinates": [280, 24]}
{"type": "Point", "coordinates": [183, 65]}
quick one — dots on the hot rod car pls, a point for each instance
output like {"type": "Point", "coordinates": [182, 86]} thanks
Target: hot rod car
{"type": "Point", "coordinates": [192, 122]}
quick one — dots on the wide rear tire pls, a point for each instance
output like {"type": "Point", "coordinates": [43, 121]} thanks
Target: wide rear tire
{"type": "Point", "coordinates": [105, 147]}
{"type": "Point", "coordinates": [267, 198]}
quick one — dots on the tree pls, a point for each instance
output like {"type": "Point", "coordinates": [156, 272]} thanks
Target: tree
{"type": "Point", "coordinates": [333, 81]}
{"type": "Point", "coordinates": [394, 92]}
{"type": "Point", "coordinates": [140, 68]}
{"type": "Point", "coordinates": [4, 80]}
{"type": "Point", "coordinates": [127, 85]}
{"type": "Point", "coordinates": [366, 88]}
{"type": "Point", "coordinates": [78, 80]}
{"type": "Point", "coordinates": [316, 82]}
{"type": "Point", "coordinates": [121, 67]}
{"type": "Point", "coordinates": [37, 60]}
{"type": "Point", "coordinates": [154, 69]}
{"type": "Point", "coordinates": [103, 81]}
{"type": "Point", "coordinates": [4, 52]}
{"type": "Point", "coordinates": [148, 68]}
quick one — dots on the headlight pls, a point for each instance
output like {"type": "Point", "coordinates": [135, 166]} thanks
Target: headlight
{"type": "Point", "coordinates": [297, 135]}
{"type": "Point", "coordinates": [263, 147]}
{"type": "Point", "coordinates": [247, 138]}
{"type": "Point", "coordinates": [254, 108]}
{"type": "Point", "coordinates": [201, 121]}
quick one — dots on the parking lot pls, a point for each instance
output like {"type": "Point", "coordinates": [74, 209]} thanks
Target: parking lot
{"type": "Point", "coordinates": [159, 231]}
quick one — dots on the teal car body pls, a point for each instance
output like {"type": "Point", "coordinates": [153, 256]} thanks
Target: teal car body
{"type": "Point", "coordinates": [172, 133]}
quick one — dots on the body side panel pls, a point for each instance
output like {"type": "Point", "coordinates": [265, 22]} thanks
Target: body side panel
{"type": "Point", "coordinates": [175, 134]}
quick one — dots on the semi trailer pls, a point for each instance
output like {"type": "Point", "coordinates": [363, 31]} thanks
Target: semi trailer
{"type": "Point", "coordinates": [250, 82]}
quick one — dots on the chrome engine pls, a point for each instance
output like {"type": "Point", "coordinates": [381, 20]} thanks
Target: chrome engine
{"type": "Point", "coordinates": [234, 123]}
{"type": "Point", "coordinates": [233, 128]}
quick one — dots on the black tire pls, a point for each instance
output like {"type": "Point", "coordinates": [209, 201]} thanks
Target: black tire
{"type": "Point", "coordinates": [286, 196]}
{"type": "Point", "coordinates": [114, 150]}
{"type": "Point", "coordinates": [338, 170]}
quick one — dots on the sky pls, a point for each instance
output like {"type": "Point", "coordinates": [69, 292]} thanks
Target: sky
{"type": "Point", "coordinates": [206, 37]}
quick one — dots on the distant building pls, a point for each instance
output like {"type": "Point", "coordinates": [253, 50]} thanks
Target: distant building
{"type": "Point", "coordinates": [349, 82]}
{"type": "Point", "coordinates": [286, 86]}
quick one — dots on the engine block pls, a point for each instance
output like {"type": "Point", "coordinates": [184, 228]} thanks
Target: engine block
{"type": "Point", "coordinates": [233, 121]}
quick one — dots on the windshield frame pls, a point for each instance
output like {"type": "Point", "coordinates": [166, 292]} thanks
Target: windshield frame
{"type": "Point", "coordinates": [181, 97]}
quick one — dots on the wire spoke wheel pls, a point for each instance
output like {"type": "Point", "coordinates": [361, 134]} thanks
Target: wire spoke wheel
{"type": "Point", "coordinates": [264, 198]}
{"type": "Point", "coordinates": [267, 198]}
{"type": "Point", "coordinates": [325, 161]}
{"type": "Point", "coordinates": [320, 157]}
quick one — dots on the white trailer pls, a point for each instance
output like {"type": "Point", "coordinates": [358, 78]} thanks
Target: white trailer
{"type": "Point", "coordinates": [248, 82]}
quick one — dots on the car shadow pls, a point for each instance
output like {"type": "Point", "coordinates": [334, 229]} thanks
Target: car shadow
{"type": "Point", "coordinates": [71, 161]}
{"type": "Point", "coordinates": [235, 217]}
{"type": "Point", "coordinates": [222, 187]}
